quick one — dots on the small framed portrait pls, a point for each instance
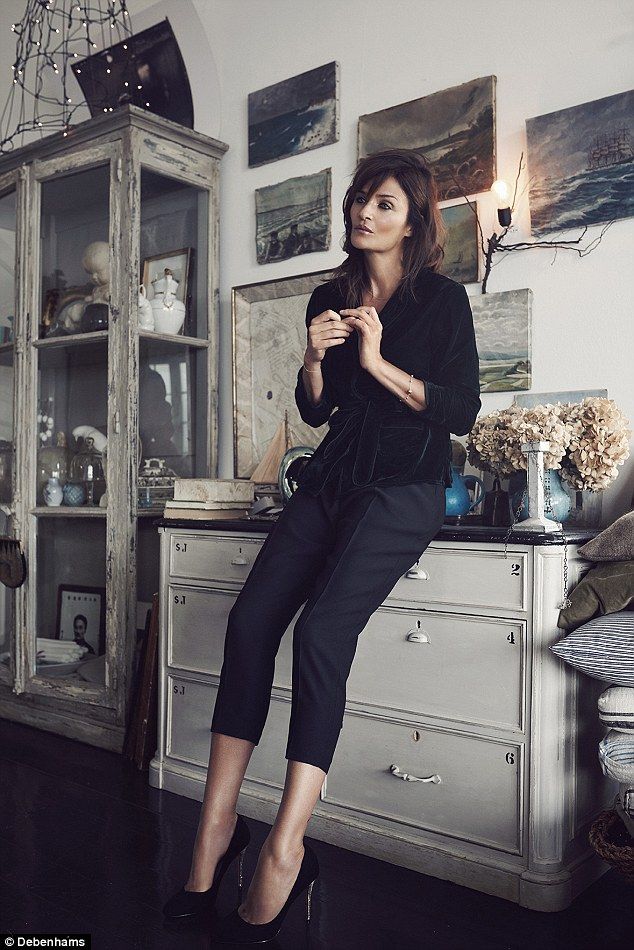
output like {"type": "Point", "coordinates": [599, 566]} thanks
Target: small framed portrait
{"type": "Point", "coordinates": [81, 617]}
{"type": "Point", "coordinates": [178, 263]}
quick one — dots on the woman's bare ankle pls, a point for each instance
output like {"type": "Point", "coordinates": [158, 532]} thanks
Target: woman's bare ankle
{"type": "Point", "coordinates": [219, 820]}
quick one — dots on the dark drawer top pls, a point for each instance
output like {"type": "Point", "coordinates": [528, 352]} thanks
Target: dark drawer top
{"type": "Point", "coordinates": [447, 532]}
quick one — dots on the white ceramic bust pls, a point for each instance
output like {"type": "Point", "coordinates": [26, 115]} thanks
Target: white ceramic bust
{"type": "Point", "coordinates": [96, 261]}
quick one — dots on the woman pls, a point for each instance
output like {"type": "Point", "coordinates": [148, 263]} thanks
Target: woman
{"type": "Point", "coordinates": [390, 342]}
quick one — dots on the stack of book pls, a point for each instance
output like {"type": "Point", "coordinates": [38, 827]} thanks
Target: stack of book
{"type": "Point", "coordinates": [210, 498]}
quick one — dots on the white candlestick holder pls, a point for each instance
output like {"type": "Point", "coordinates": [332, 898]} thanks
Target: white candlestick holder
{"type": "Point", "coordinates": [537, 520]}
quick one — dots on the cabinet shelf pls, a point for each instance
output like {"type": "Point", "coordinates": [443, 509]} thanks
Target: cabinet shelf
{"type": "Point", "coordinates": [174, 338]}
{"type": "Point", "coordinates": [72, 339]}
{"type": "Point", "coordinates": [67, 511]}
{"type": "Point", "coordinates": [76, 339]}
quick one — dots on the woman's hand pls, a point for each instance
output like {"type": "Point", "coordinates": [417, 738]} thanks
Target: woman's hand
{"type": "Point", "coordinates": [365, 320]}
{"type": "Point", "coordinates": [325, 330]}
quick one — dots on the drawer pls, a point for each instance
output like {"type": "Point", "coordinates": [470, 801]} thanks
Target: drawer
{"type": "Point", "coordinates": [190, 706]}
{"type": "Point", "coordinates": [475, 795]}
{"type": "Point", "coordinates": [197, 626]}
{"type": "Point", "coordinates": [465, 579]}
{"type": "Point", "coordinates": [454, 666]}
{"type": "Point", "coordinates": [202, 557]}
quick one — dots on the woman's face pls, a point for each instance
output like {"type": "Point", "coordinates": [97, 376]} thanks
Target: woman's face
{"type": "Point", "coordinates": [379, 223]}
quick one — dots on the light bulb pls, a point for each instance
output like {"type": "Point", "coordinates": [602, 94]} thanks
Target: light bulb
{"type": "Point", "coordinates": [501, 192]}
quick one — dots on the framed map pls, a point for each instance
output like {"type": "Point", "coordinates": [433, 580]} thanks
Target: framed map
{"type": "Point", "coordinates": [269, 338]}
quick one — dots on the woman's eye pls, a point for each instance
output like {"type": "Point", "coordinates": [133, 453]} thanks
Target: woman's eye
{"type": "Point", "coordinates": [385, 205]}
{"type": "Point", "coordinates": [359, 198]}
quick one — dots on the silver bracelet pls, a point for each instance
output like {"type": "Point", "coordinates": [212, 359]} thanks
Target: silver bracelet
{"type": "Point", "coordinates": [409, 391]}
{"type": "Point", "coordinates": [311, 371]}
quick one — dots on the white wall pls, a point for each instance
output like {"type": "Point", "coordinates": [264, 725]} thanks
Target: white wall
{"type": "Point", "coordinates": [546, 56]}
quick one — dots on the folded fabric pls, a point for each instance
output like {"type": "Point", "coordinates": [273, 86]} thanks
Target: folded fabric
{"type": "Point", "coordinates": [614, 543]}
{"type": "Point", "coordinates": [616, 755]}
{"type": "Point", "coordinates": [605, 589]}
{"type": "Point", "coordinates": [59, 647]}
{"type": "Point", "coordinates": [616, 708]}
{"type": "Point", "coordinates": [603, 648]}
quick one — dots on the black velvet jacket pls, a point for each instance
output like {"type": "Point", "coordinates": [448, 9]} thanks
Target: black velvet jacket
{"type": "Point", "coordinates": [373, 437]}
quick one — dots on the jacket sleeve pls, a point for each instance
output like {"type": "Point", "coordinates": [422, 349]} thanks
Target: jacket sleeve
{"type": "Point", "coordinates": [454, 401]}
{"type": "Point", "coordinates": [312, 415]}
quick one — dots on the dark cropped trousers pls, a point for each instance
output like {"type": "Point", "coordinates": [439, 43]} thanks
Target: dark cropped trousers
{"type": "Point", "coordinates": [341, 554]}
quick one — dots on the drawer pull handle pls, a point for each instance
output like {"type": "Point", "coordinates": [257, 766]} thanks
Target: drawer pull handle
{"type": "Point", "coordinates": [239, 560]}
{"type": "Point", "coordinates": [396, 772]}
{"type": "Point", "coordinates": [417, 573]}
{"type": "Point", "coordinates": [418, 636]}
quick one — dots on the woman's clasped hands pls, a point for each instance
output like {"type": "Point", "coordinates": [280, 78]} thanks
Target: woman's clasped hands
{"type": "Point", "coordinates": [331, 328]}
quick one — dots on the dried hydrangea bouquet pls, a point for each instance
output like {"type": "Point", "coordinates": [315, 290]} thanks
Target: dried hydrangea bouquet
{"type": "Point", "coordinates": [588, 440]}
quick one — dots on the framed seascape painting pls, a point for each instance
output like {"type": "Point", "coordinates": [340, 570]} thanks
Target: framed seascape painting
{"type": "Point", "coordinates": [454, 129]}
{"type": "Point", "coordinates": [269, 339]}
{"type": "Point", "coordinates": [461, 247]}
{"type": "Point", "coordinates": [294, 115]}
{"type": "Point", "coordinates": [503, 333]}
{"type": "Point", "coordinates": [581, 164]}
{"type": "Point", "coordinates": [293, 217]}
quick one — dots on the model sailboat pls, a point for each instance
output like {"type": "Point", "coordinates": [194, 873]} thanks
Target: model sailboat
{"type": "Point", "coordinates": [267, 469]}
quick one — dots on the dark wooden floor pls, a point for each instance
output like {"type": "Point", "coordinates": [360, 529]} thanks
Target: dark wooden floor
{"type": "Point", "coordinates": [87, 846]}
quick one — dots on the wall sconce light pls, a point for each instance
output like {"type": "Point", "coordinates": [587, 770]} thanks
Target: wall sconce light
{"type": "Point", "coordinates": [505, 201]}
{"type": "Point", "coordinates": [502, 194]}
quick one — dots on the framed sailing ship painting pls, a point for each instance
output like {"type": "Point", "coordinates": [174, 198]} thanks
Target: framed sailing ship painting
{"type": "Point", "coordinates": [581, 164]}
{"type": "Point", "coordinates": [269, 339]}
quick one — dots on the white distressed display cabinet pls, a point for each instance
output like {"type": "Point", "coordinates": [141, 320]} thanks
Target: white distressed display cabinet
{"type": "Point", "coordinates": [468, 750]}
{"type": "Point", "coordinates": [85, 218]}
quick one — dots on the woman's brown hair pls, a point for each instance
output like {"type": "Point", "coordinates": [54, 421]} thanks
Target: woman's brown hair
{"type": "Point", "coordinates": [423, 249]}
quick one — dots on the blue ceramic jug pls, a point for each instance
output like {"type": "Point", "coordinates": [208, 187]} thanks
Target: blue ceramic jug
{"type": "Point", "coordinates": [457, 500]}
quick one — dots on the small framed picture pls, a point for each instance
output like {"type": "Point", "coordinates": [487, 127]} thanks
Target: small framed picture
{"type": "Point", "coordinates": [178, 262]}
{"type": "Point", "coordinates": [81, 617]}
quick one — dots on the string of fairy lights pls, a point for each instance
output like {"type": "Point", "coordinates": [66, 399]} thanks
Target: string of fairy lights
{"type": "Point", "coordinates": [51, 37]}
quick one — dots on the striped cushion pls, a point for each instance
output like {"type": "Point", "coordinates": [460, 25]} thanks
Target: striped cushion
{"type": "Point", "coordinates": [616, 755]}
{"type": "Point", "coordinates": [602, 648]}
{"type": "Point", "coordinates": [616, 708]}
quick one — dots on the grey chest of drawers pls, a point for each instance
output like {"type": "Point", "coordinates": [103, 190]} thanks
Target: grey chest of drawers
{"type": "Point", "coordinates": [468, 750]}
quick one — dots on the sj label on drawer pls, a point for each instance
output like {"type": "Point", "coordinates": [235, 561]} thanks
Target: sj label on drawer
{"type": "Point", "coordinates": [199, 557]}
{"type": "Point", "coordinates": [464, 786]}
{"type": "Point", "coordinates": [454, 666]}
{"type": "Point", "coordinates": [466, 579]}
{"type": "Point", "coordinates": [190, 706]}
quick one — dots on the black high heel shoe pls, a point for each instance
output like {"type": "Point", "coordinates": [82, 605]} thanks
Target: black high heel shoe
{"type": "Point", "coordinates": [189, 903]}
{"type": "Point", "coordinates": [234, 929]}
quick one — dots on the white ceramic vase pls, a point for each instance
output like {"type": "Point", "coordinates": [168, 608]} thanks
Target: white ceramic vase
{"type": "Point", "coordinates": [53, 493]}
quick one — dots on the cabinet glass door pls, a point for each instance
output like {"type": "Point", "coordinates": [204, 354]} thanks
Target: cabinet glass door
{"type": "Point", "coordinates": [173, 330]}
{"type": "Point", "coordinates": [7, 312]}
{"type": "Point", "coordinates": [72, 415]}
{"type": "Point", "coordinates": [174, 256]}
